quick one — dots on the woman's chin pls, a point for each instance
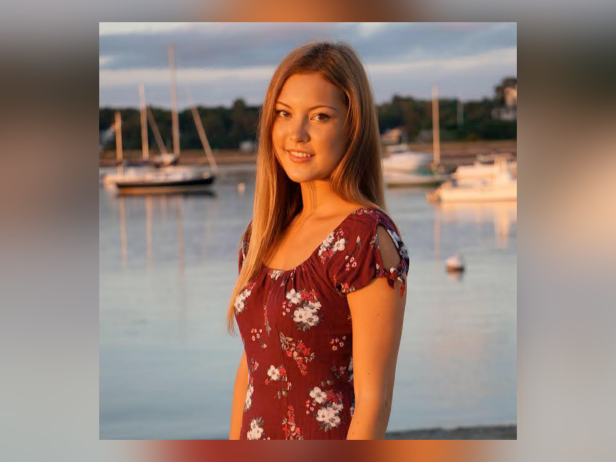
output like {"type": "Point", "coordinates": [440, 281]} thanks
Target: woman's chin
{"type": "Point", "coordinates": [299, 176]}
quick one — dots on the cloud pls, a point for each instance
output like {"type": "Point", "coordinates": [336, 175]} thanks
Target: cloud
{"type": "Point", "coordinates": [504, 56]}
{"type": "Point", "coordinates": [120, 28]}
{"type": "Point", "coordinates": [244, 44]}
{"type": "Point", "coordinates": [157, 76]}
{"type": "Point", "coordinates": [507, 56]}
{"type": "Point", "coordinates": [224, 61]}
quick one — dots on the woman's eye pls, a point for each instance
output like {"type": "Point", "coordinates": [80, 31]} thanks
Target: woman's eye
{"type": "Point", "coordinates": [321, 117]}
{"type": "Point", "coordinates": [282, 113]}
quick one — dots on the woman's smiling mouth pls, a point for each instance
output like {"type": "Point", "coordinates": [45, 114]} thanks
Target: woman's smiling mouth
{"type": "Point", "coordinates": [299, 156]}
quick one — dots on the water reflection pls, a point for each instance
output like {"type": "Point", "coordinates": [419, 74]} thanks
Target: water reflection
{"type": "Point", "coordinates": [455, 276]}
{"type": "Point", "coordinates": [503, 215]}
{"type": "Point", "coordinates": [123, 235]}
{"type": "Point", "coordinates": [148, 230]}
{"type": "Point", "coordinates": [168, 264]}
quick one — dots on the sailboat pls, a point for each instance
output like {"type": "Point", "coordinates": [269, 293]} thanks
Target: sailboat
{"type": "Point", "coordinates": [174, 179]}
{"type": "Point", "coordinates": [404, 167]}
{"type": "Point", "coordinates": [127, 171]}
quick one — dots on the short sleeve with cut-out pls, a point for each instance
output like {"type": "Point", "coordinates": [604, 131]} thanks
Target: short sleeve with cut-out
{"type": "Point", "coordinates": [360, 260]}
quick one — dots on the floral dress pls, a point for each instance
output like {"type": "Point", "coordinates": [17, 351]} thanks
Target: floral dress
{"type": "Point", "coordinates": [297, 332]}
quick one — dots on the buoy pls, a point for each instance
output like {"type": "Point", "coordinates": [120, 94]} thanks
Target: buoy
{"type": "Point", "coordinates": [455, 263]}
{"type": "Point", "coordinates": [241, 187]}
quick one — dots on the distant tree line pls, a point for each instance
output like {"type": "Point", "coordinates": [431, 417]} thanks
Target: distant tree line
{"type": "Point", "coordinates": [227, 127]}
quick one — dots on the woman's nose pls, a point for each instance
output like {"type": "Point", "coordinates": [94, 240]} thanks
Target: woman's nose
{"type": "Point", "coordinates": [299, 132]}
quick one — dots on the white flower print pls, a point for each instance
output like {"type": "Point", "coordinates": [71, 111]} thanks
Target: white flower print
{"type": "Point", "coordinates": [293, 296]}
{"type": "Point", "coordinates": [300, 315]}
{"type": "Point", "coordinates": [336, 407]}
{"type": "Point", "coordinates": [239, 303]}
{"type": "Point", "coordinates": [324, 414]}
{"type": "Point", "coordinates": [248, 397]}
{"type": "Point", "coordinates": [256, 429]}
{"type": "Point", "coordinates": [328, 414]}
{"type": "Point", "coordinates": [339, 245]}
{"type": "Point", "coordinates": [312, 319]}
{"type": "Point", "coordinates": [318, 395]}
{"type": "Point", "coordinates": [241, 298]}
{"type": "Point", "coordinates": [305, 315]}
{"type": "Point", "coordinates": [329, 417]}
{"type": "Point", "coordinates": [335, 242]}
{"type": "Point", "coordinates": [351, 370]}
{"type": "Point", "coordinates": [275, 274]}
{"type": "Point", "coordinates": [273, 373]}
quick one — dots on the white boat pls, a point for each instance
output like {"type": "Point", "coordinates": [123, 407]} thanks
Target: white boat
{"type": "Point", "coordinates": [402, 159]}
{"type": "Point", "coordinates": [482, 171]}
{"type": "Point", "coordinates": [455, 263]}
{"type": "Point", "coordinates": [502, 187]}
{"type": "Point", "coordinates": [399, 178]}
{"type": "Point", "coordinates": [129, 173]}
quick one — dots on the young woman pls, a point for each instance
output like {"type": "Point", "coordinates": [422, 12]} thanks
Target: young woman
{"type": "Point", "coordinates": [320, 297]}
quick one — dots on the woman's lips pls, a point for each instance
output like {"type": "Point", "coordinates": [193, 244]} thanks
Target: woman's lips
{"type": "Point", "coordinates": [299, 156]}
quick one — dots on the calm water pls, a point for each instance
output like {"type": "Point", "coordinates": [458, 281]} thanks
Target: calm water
{"type": "Point", "coordinates": [167, 267]}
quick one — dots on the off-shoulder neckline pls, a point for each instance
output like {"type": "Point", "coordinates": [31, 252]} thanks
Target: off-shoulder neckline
{"type": "Point", "coordinates": [291, 270]}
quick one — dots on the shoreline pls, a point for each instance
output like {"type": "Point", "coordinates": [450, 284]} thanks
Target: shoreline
{"type": "Point", "coordinates": [482, 432]}
{"type": "Point", "coordinates": [453, 153]}
{"type": "Point", "coordinates": [477, 432]}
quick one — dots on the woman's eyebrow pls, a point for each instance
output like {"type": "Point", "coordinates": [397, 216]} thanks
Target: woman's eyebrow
{"type": "Point", "coordinates": [310, 108]}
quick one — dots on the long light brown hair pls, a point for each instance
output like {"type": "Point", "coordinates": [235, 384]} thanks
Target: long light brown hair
{"type": "Point", "coordinates": [357, 177]}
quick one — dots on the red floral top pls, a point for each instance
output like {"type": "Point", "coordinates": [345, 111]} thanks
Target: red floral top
{"type": "Point", "coordinates": [297, 332]}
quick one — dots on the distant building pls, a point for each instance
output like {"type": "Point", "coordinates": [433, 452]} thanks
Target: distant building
{"type": "Point", "coordinates": [511, 96]}
{"type": "Point", "coordinates": [394, 136]}
{"type": "Point", "coordinates": [510, 110]}
{"type": "Point", "coordinates": [248, 146]}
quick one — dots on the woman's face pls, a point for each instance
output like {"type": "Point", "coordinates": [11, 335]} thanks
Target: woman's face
{"type": "Point", "coordinates": [308, 129]}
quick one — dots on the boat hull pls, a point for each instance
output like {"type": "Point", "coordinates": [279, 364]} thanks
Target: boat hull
{"type": "Point", "coordinates": [401, 179]}
{"type": "Point", "coordinates": [406, 162]}
{"type": "Point", "coordinates": [477, 194]}
{"type": "Point", "coordinates": [166, 187]}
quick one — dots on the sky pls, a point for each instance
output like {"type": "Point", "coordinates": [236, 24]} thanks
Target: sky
{"type": "Point", "coordinates": [218, 63]}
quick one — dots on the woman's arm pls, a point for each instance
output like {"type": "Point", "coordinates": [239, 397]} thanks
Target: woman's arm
{"type": "Point", "coordinates": [377, 313]}
{"type": "Point", "coordinates": [239, 398]}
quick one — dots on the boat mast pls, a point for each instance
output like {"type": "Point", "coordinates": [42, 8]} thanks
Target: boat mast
{"type": "Point", "coordinates": [144, 125]}
{"type": "Point", "coordinates": [201, 131]}
{"type": "Point", "coordinates": [157, 137]}
{"type": "Point", "coordinates": [435, 127]}
{"type": "Point", "coordinates": [174, 104]}
{"type": "Point", "coordinates": [118, 133]}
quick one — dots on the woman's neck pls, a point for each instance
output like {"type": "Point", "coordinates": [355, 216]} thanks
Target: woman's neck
{"type": "Point", "coordinates": [318, 198]}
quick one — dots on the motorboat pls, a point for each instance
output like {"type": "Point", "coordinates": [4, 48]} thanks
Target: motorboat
{"type": "Point", "coordinates": [481, 170]}
{"type": "Point", "coordinates": [503, 186]}
{"type": "Point", "coordinates": [401, 178]}
{"type": "Point", "coordinates": [402, 159]}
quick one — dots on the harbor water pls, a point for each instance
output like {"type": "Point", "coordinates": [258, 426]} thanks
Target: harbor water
{"type": "Point", "coordinates": [167, 268]}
